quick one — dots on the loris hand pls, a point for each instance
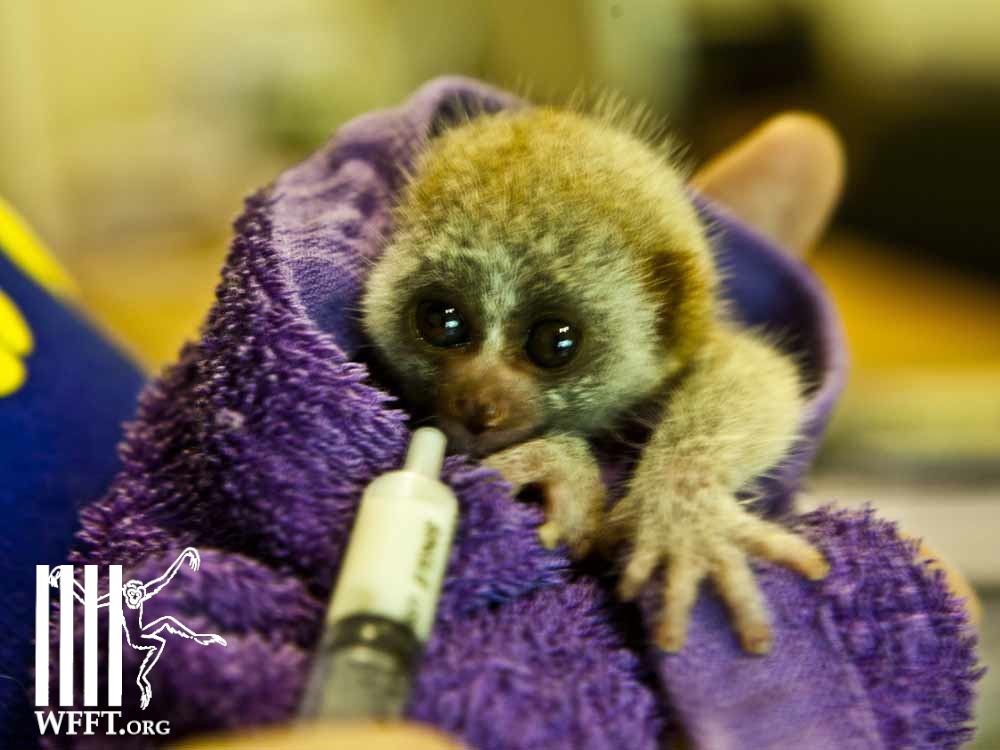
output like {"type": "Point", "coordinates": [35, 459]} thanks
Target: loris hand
{"type": "Point", "coordinates": [570, 479]}
{"type": "Point", "coordinates": [701, 531]}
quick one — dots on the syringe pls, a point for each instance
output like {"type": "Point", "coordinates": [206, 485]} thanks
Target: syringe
{"type": "Point", "coordinates": [386, 595]}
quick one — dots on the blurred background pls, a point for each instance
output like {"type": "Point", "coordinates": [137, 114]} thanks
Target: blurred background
{"type": "Point", "coordinates": [129, 133]}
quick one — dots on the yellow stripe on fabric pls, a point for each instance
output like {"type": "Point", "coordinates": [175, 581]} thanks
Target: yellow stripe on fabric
{"type": "Point", "coordinates": [15, 335]}
{"type": "Point", "coordinates": [16, 342]}
{"type": "Point", "coordinates": [28, 253]}
{"type": "Point", "coordinates": [13, 373]}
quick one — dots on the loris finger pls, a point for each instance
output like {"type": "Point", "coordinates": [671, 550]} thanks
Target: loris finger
{"type": "Point", "coordinates": [646, 555]}
{"type": "Point", "coordinates": [777, 544]}
{"type": "Point", "coordinates": [640, 567]}
{"type": "Point", "coordinates": [684, 573]}
{"type": "Point", "coordinates": [572, 509]}
{"type": "Point", "coordinates": [738, 588]}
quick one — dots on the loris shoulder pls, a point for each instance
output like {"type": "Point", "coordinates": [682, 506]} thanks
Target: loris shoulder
{"type": "Point", "coordinates": [547, 272]}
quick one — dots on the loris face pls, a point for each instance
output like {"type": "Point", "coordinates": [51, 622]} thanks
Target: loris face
{"type": "Point", "coordinates": [502, 341]}
{"type": "Point", "coordinates": [517, 294]}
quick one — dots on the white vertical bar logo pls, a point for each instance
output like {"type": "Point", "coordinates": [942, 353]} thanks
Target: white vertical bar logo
{"type": "Point", "coordinates": [90, 635]}
{"type": "Point", "coordinates": [62, 576]}
{"type": "Point", "coordinates": [42, 635]}
{"type": "Point", "coordinates": [116, 623]}
{"type": "Point", "coordinates": [66, 635]}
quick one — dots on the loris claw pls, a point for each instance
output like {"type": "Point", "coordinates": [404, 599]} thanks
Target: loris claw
{"type": "Point", "coordinates": [547, 273]}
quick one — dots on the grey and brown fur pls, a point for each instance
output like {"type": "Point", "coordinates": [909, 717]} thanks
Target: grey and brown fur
{"type": "Point", "coordinates": [539, 213]}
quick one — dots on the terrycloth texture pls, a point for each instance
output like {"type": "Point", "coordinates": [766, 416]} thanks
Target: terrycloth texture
{"type": "Point", "coordinates": [256, 446]}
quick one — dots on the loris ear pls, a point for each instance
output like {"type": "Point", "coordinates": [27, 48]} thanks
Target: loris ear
{"type": "Point", "coordinates": [783, 179]}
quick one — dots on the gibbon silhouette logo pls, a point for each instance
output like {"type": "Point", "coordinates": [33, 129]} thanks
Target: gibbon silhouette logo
{"type": "Point", "coordinates": [150, 637]}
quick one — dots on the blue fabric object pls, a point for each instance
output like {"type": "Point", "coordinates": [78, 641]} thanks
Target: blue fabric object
{"type": "Point", "coordinates": [58, 432]}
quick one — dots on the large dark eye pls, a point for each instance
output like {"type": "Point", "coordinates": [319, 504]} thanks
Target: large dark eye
{"type": "Point", "coordinates": [441, 324]}
{"type": "Point", "coordinates": [552, 343]}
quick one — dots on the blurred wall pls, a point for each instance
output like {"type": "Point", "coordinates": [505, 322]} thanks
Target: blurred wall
{"type": "Point", "coordinates": [137, 117]}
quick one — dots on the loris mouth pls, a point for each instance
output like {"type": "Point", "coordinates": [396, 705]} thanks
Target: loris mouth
{"type": "Point", "coordinates": [479, 445]}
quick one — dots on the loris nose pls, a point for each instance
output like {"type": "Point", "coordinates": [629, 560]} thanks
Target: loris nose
{"type": "Point", "coordinates": [479, 414]}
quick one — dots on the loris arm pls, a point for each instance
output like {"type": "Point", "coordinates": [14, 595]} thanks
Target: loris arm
{"type": "Point", "coordinates": [732, 416]}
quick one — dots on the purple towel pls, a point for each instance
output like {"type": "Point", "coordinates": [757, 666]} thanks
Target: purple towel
{"type": "Point", "coordinates": [254, 448]}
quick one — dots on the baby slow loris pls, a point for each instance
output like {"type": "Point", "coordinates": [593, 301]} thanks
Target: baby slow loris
{"type": "Point", "coordinates": [546, 274]}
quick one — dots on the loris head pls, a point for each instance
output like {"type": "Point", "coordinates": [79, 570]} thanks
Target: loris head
{"type": "Point", "coordinates": [546, 272]}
